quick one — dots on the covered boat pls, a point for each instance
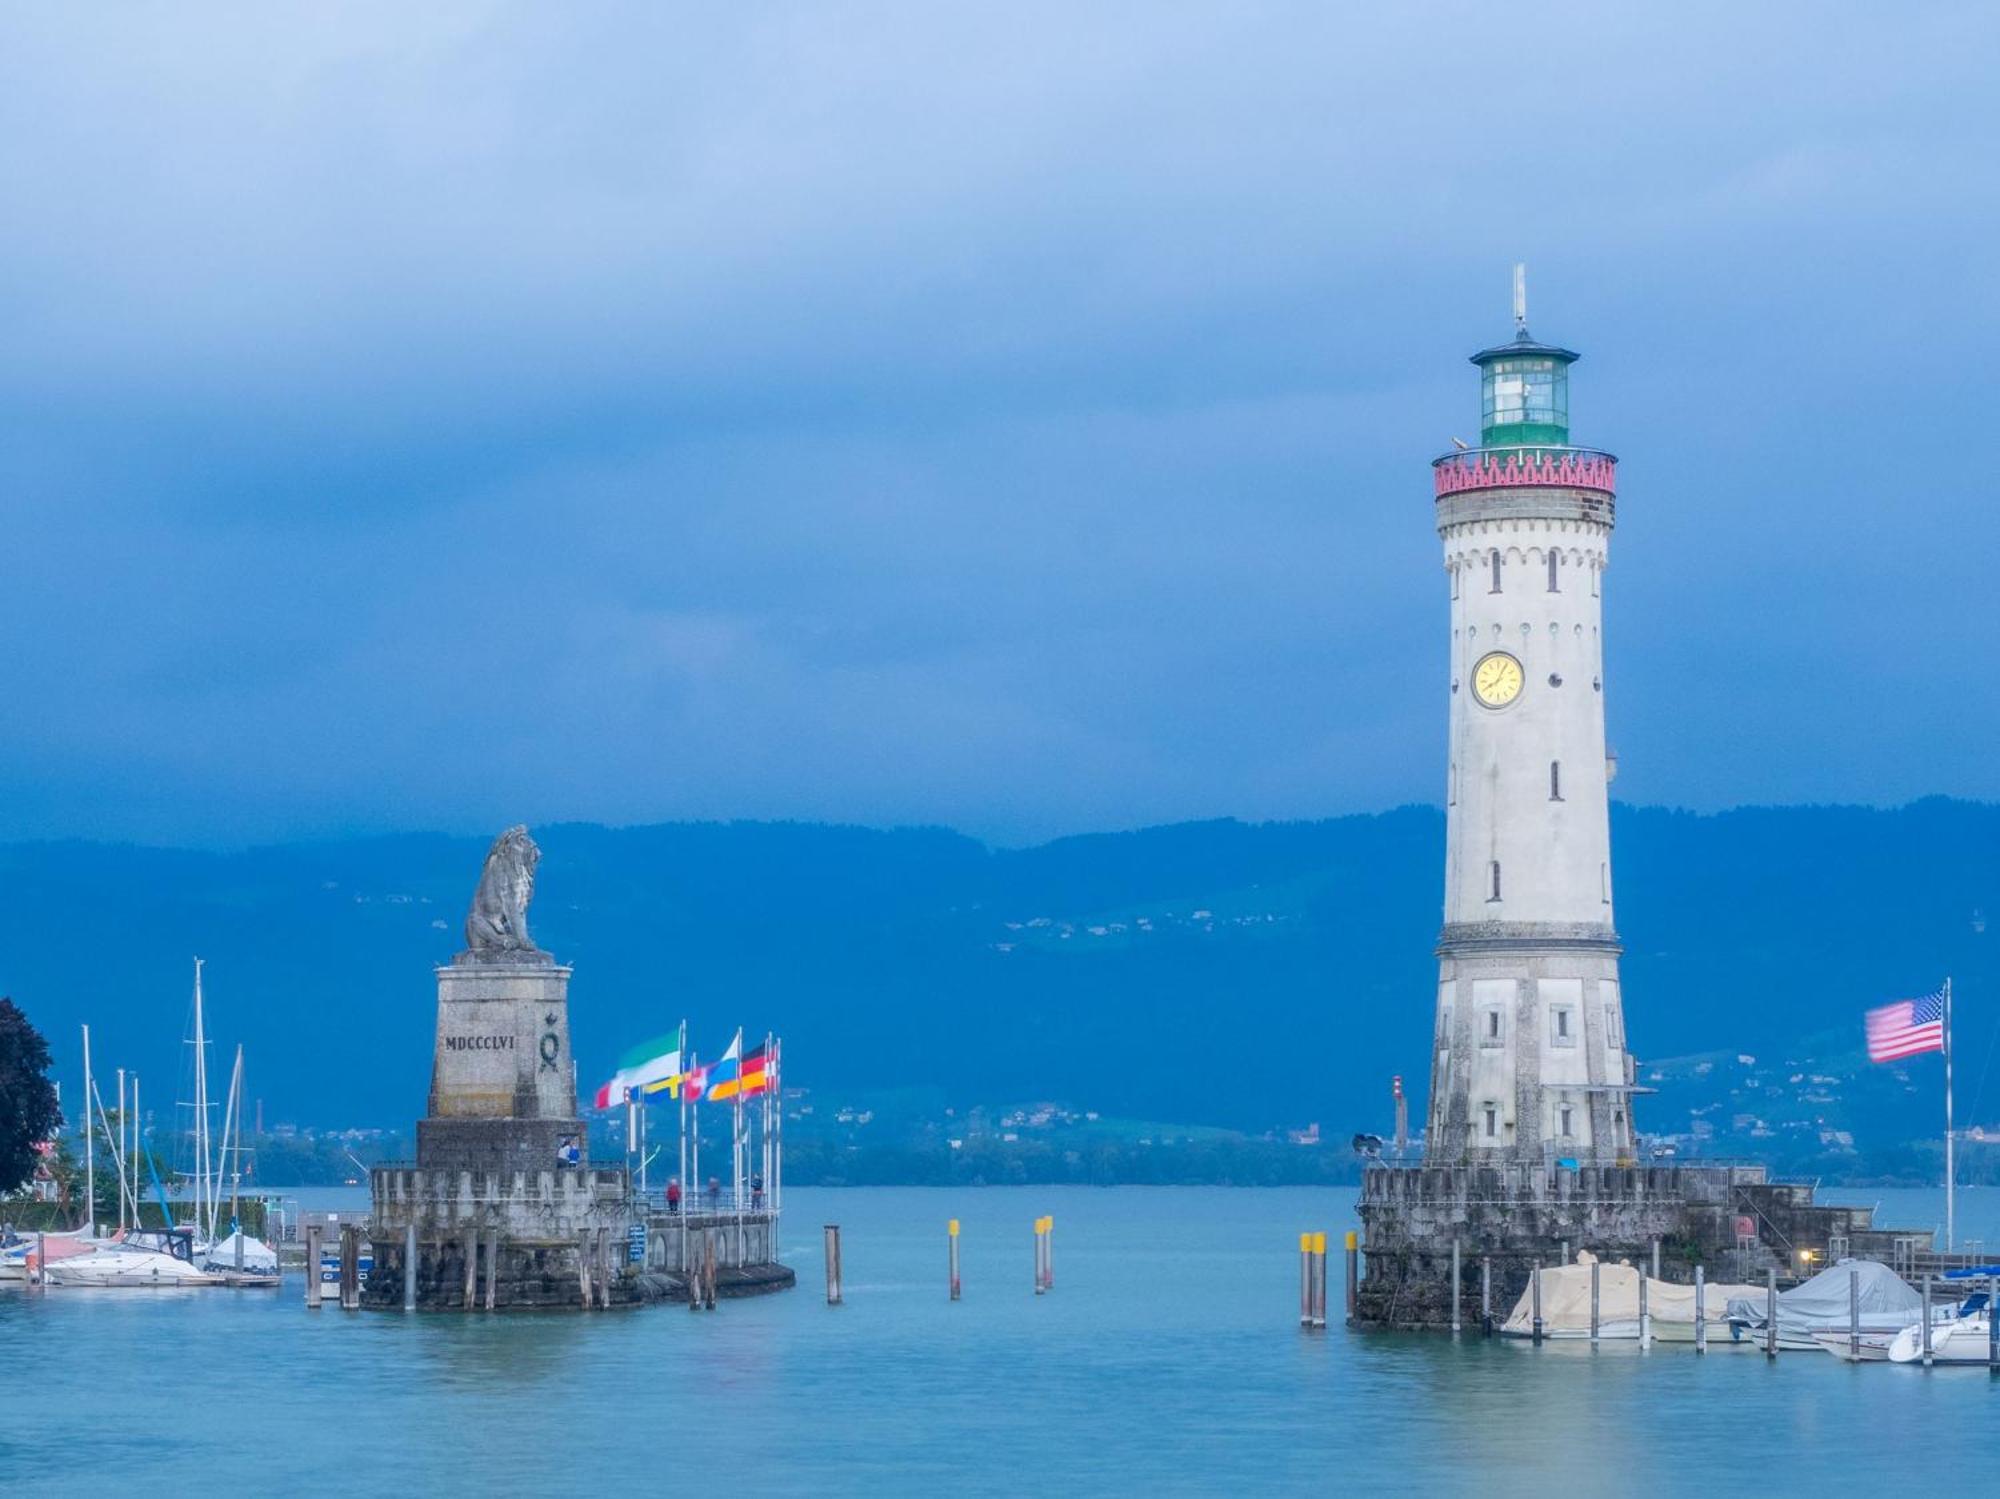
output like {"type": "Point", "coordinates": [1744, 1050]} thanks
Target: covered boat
{"type": "Point", "coordinates": [1669, 1307]}
{"type": "Point", "coordinates": [256, 1257]}
{"type": "Point", "coordinates": [1886, 1303]}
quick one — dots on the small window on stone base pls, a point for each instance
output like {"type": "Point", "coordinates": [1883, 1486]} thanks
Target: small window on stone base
{"type": "Point", "coordinates": [1492, 1121]}
{"type": "Point", "coordinates": [1566, 1130]}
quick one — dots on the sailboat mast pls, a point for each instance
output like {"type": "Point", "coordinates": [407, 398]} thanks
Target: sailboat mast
{"type": "Point", "coordinates": [122, 1151]}
{"type": "Point", "coordinates": [89, 1154]}
{"type": "Point", "coordinates": [201, 1188]}
{"type": "Point", "coordinates": [138, 1148]}
{"type": "Point", "coordinates": [236, 1173]}
{"type": "Point", "coordinates": [229, 1121]}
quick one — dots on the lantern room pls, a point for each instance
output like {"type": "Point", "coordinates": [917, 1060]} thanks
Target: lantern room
{"type": "Point", "coordinates": [1524, 393]}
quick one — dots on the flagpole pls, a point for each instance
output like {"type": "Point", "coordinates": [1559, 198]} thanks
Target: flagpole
{"type": "Point", "coordinates": [1950, 1175]}
{"type": "Point", "coordinates": [737, 1138]}
{"type": "Point", "coordinates": [681, 1094]}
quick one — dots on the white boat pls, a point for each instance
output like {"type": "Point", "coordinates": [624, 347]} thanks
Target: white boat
{"type": "Point", "coordinates": [1868, 1348]}
{"type": "Point", "coordinates": [145, 1258]}
{"type": "Point", "coordinates": [1964, 1340]}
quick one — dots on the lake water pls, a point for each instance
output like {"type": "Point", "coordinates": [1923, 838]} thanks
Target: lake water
{"type": "Point", "coordinates": [1168, 1360]}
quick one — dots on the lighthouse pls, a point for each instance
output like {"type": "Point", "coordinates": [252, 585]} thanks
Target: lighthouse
{"type": "Point", "coordinates": [1529, 1062]}
{"type": "Point", "coordinates": [1528, 1148]}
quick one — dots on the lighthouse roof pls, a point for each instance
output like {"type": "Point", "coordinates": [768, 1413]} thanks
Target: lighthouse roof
{"type": "Point", "coordinates": [1522, 343]}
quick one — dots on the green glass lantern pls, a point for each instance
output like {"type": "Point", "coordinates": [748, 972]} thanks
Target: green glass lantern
{"type": "Point", "coordinates": [1524, 394]}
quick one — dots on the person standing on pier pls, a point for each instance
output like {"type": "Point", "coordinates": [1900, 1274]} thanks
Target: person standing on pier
{"type": "Point", "coordinates": [674, 1194]}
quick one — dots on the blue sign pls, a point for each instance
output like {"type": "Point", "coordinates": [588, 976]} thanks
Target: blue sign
{"type": "Point", "coordinates": [635, 1242]}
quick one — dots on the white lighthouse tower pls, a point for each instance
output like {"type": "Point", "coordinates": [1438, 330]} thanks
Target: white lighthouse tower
{"type": "Point", "coordinates": [1530, 1061]}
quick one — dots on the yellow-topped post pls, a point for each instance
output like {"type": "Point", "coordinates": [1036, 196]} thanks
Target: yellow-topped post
{"type": "Point", "coordinates": [951, 1242]}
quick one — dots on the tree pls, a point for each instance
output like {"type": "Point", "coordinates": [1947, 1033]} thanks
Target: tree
{"type": "Point", "coordinates": [29, 1115]}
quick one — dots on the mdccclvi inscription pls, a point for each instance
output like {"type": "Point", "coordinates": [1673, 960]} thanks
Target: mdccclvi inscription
{"type": "Point", "coordinates": [480, 1043]}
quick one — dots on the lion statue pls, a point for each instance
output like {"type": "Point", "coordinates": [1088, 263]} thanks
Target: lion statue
{"type": "Point", "coordinates": [498, 921]}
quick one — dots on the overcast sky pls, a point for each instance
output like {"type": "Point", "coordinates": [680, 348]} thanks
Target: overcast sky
{"type": "Point", "coordinates": [1010, 416]}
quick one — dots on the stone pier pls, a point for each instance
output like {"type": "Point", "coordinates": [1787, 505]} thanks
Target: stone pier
{"type": "Point", "coordinates": [1733, 1219]}
{"type": "Point", "coordinates": [506, 1208]}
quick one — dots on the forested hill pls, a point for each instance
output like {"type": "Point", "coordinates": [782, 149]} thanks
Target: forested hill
{"type": "Point", "coordinates": [1216, 972]}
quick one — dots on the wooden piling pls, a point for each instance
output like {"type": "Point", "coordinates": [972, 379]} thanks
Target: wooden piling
{"type": "Point", "coordinates": [1993, 1324]}
{"type": "Point", "coordinates": [1049, 1252]}
{"type": "Point", "coordinates": [1656, 1259]}
{"type": "Point", "coordinates": [1456, 1317]}
{"type": "Point", "coordinates": [1486, 1295]}
{"type": "Point", "coordinates": [314, 1233]}
{"type": "Point", "coordinates": [410, 1266]}
{"type": "Point", "coordinates": [951, 1256]}
{"type": "Point", "coordinates": [583, 1268]}
{"type": "Point", "coordinates": [1535, 1282]}
{"type": "Point", "coordinates": [41, 1276]}
{"type": "Point", "coordinates": [1924, 1337]}
{"type": "Point", "coordinates": [713, 1256]}
{"type": "Point", "coordinates": [1771, 1311]}
{"type": "Point", "coordinates": [1593, 1301]}
{"type": "Point", "coordinates": [1306, 1281]}
{"type": "Point", "coordinates": [1353, 1278]}
{"type": "Point", "coordinates": [350, 1267]}
{"type": "Point", "coordinates": [833, 1264]}
{"type": "Point", "coordinates": [1700, 1309]}
{"type": "Point", "coordinates": [492, 1268]}
{"type": "Point", "coordinates": [1645, 1313]}
{"type": "Point", "coordinates": [605, 1269]}
{"type": "Point", "coordinates": [1854, 1314]}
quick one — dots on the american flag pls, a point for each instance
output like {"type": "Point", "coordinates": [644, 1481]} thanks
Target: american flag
{"type": "Point", "coordinates": [1906, 1028]}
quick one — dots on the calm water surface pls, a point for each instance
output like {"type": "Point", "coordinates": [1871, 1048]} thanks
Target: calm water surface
{"type": "Point", "coordinates": [1167, 1360]}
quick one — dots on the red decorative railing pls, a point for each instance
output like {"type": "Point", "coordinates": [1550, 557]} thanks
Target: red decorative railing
{"type": "Point", "coordinates": [1493, 468]}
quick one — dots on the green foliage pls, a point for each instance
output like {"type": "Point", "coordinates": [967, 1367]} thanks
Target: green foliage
{"type": "Point", "coordinates": [29, 1114]}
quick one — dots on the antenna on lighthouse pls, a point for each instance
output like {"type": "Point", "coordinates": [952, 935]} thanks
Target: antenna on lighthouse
{"type": "Point", "coordinates": [1520, 297]}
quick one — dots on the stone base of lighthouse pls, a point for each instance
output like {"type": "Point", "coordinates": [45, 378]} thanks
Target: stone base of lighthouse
{"type": "Point", "coordinates": [1530, 1063]}
{"type": "Point", "coordinates": [1734, 1220]}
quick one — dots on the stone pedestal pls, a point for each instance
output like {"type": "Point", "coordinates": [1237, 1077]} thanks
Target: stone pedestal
{"type": "Point", "coordinates": [503, 1085]}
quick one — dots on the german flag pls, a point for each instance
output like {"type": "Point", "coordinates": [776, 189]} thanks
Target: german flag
{"type": "Point", "coordinates": [759, 1073]}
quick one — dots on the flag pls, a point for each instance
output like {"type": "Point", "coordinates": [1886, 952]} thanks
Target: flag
{"type": "Point", "coordinates": [646, 1068]}
{"type": "Point", "coordinates": [694, 1083]}
{"type": "Point", "coordinates": [1906, 1028]}
{"type": "Point", "coordinates": [759, 1075]}
{"type": "Point", "coordinates": [725, 1072]}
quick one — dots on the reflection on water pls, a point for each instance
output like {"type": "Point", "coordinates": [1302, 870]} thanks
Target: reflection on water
{"type": "Point", "coordinates": [1167, 1360]}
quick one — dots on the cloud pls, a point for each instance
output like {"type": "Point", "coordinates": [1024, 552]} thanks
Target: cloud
{"type": "Point", "coordinates": [1014, 417]}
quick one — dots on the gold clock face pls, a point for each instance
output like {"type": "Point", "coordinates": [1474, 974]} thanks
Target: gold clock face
{"type": "Point", "coordinates": [1497, 679]}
